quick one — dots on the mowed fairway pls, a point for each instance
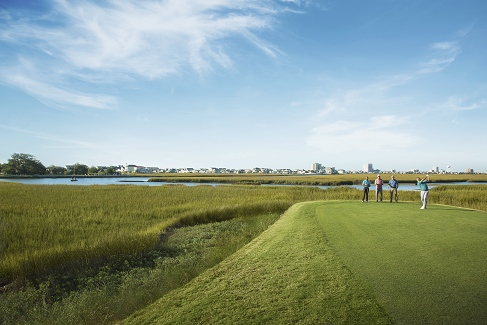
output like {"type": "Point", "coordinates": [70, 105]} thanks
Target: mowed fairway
{"type": "Point", "coordinates": [427, 266]}
{"type": "Point", "coordinates": [344, 262]}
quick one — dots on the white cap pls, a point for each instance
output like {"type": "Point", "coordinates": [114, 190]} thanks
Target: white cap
{"type": "Point", "coordinates": [378, 175]}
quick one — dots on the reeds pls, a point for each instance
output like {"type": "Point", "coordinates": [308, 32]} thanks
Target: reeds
{"type": "Point", "coordinates": [42, 226]}
{"type": "Point", "coordinates": [47, 225]}
{"type": "Point", "coordinates": [320, 180]}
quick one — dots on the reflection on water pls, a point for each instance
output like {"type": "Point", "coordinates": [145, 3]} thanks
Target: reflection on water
{"type": "Point", "coordinates": [144, 181]}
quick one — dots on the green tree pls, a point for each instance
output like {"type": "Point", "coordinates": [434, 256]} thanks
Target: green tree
{"type": "Point", "coordinates": [109, 171]}
{"type": "Point", "coordinates": [24, 164]}
{"type": "Point", "coordinates": [93, 170]}
{"type": "Point", "coordinates": [56, 170]}
{"type": "Point", "coordinates": [79, 169]}
{"type": "Point", "coordinates": [8, 170]}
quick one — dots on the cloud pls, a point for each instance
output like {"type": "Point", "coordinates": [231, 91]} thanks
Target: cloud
{"type": "Point", "coordinates": [49, 90]}
{"type": "Point", "coordinates": [436, 65]}
{"type": "Point", "coordinates": [465, 31]}
{"type": "Point", "coordinates": [369, 97]}
{"type": "Point", "coordinates": [67, 143]}
{"type": "Point", "coordinates": [374, 97]}
{"type": "Point", "coordinates": [344, 136]}
{"type": "Point", "coordinates": [445, 46]}
{"type": "Point", "coordinates": [457, 104]}
{"type": "Point", "coordinates": [145, 39]}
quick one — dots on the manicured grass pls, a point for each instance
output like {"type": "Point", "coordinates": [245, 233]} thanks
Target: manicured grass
{"type": "Point", "coordinates": [342, 262]}
{"type": "Point", "coordinates": [288, 275]}
{"type": "Point", "coordinates": [427, 266]}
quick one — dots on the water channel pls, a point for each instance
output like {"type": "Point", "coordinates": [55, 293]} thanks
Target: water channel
{"type": "Point", "coordinates": [144, 181]}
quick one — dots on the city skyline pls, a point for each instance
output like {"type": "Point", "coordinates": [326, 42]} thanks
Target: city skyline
{"type": "Point", "coordinates": [272, 83]}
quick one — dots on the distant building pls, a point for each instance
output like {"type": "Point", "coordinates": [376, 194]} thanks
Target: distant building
{"type": "Point", "coordinates": [130, 169]}
{"type": "Point", "coordinates": [469, 170]}
{"type": "Point", "coordinates": [316, 166]}
{"type": "Point", "coordinates": [186, 170]}
{"type": "Point", "coordinates": [368, 168]}
{"type": "Point", "coordinates": [330, 170]}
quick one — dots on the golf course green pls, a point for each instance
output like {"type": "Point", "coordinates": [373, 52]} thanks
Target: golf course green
{"type": "Point", "coordinates": [342, 262]}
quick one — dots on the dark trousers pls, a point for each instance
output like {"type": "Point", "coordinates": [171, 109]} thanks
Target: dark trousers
{"type": "Point", "coordinates": [366, 194]}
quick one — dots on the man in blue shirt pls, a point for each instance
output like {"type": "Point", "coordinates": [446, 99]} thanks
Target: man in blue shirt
{"type": "Point", "coordinates": [393, 185]}
{"type": "Point", "coordinates": [366, 185]}
{"type": "Point", "coordinates": [424, 190]}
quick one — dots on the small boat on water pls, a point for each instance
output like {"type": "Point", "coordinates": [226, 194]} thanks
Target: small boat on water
{"type": "Point", "coordinates": [73, 179]}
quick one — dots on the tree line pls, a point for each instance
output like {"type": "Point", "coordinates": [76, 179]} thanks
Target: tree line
{"type": "Point", "coordinates": [25, 164]}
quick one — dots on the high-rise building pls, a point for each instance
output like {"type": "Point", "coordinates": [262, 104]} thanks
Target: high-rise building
{"type": "Point", "coordinates": [316, 166]}
{"type": "Point", "coordinates": [469, 170]}
{"type": "Point", "coordinates": [368, 168]}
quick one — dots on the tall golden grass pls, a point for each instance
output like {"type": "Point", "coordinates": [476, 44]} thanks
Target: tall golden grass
{"type": "Point", "coordinates": [47, 225]}
{"type": "Point", "coordinates": [323, 180]}
{"type": "Point", "coordinates": [43, 226]}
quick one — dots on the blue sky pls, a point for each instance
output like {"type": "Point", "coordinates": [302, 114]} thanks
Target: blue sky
{"type": "Point", "coordinates": [244, 83]}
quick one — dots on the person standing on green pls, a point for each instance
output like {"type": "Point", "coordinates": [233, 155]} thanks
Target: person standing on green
{"type": "Point", "coordinates": [424, 190]}
{"type": "Point", "coordinates": [393, 186]}
{"type": "Point", "coordinates": [378, 188]}
{"type": "Point", "coordinates": [366, 185]}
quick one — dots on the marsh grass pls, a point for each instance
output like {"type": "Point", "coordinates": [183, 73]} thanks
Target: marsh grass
{"type": "Point", "coordinates": [92, 254]}
{"type": "Point", "coordinates": [49, 225]}
{"type": "Point", "coordinates": [105, 290]}
{"type": "Point", "coordinates": [317, 180]}
{"type": "Point", "coordinates": [42, 226]}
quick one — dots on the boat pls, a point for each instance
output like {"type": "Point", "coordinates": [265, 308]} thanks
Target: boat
{"type": "Point", "coordinates": [73, 179]}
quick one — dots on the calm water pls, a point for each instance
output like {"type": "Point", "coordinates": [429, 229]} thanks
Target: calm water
{"type": "Point", "coordinates": [144, 181]}
{"type": "Point", "coordinates": [93, 181]}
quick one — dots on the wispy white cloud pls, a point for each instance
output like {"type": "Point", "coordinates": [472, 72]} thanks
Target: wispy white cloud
{"type": "Point", "coordinates": [436, 65]}
{"type": "Point", "coordinates": [376, 93]}
{"type": "Point", "coordinates": [58, 141]}
{"type": "Point", "coordinates": [49, 91]}
{"type": "Point", "coordinates": [445, 46]}
{"type": "Point", "coordinates": [344, 136]}
{"type": "Point", "coordinates": [348, 113]}
{"type": "Point", "coordinates": [366, 97]}
{"type": "Point", "coordinates": [463, 32]}
{"type": "Point", "coordinates": [457, 104]}
{"type": "Point", "coordinates": [147, 39]}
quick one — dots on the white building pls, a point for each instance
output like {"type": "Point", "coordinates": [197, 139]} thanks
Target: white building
{"type": "Point", "coordinates": [316, 166]}
{"type": "Point", "coordinates": [186, 170]}
{"type": "Point", "coordinates": [368, 168]}
{"type": "Point", "coordinates": [130, 169]}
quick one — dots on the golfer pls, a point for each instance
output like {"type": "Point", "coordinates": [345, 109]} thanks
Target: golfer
{"type": "Point", "coordinates": [424, 190]}
{"type": "Point", "coordinates": [393, 185]}
{"type": "Point", "coordinates": [378, 188]}
{"type": "Point", "coordinates": [366, 185]}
